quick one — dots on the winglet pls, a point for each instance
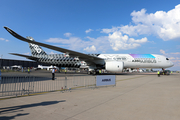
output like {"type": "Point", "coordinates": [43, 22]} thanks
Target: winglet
{"type": "Point", "coordinates": [14, 34]}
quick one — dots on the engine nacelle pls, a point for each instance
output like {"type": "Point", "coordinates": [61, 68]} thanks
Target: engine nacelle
{"type": "Point", "coordinates": [114, 66]}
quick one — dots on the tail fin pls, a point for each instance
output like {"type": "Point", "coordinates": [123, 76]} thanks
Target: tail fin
{"type": "Point", "coordinates": [36, 50]}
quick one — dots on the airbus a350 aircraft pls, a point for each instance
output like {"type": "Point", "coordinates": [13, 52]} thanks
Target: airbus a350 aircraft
{"type": "Point", "coordinates": [110, 62]}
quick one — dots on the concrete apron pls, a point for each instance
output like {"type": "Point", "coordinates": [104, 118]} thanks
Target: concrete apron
{"type": "Point", "coordinates": [135, 97]}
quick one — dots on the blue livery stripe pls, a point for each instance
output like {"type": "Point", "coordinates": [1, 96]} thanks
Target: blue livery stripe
{"type": "Point", "coordinates": [142, 55]}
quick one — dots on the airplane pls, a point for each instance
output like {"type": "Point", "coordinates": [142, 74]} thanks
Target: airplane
{"type": "Point", "coordinates": [114, 63]}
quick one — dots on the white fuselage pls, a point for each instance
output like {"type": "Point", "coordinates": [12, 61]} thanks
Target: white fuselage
{"type": "Point", "coordinates": [139, 60]}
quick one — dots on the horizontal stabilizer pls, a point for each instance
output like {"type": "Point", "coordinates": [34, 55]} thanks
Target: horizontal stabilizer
{"type": "Point", "coordinates": [26, 56]}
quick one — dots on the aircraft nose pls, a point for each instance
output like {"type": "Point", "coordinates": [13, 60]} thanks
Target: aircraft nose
{"type": "Point", "coordinates": [172, 64]}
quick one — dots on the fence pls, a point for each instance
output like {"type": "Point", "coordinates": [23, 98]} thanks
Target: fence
{"type": "Point", "coordinates": [25, 85]}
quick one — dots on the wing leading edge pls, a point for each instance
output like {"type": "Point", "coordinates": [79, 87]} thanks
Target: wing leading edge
{"type": "Point", "coordinates": [82, 56]}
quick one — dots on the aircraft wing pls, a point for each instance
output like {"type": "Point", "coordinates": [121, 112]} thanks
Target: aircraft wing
{"type": "Point", "coordinates": [81, 56]}
{"type": "Point", "coordinates": [26, 56]}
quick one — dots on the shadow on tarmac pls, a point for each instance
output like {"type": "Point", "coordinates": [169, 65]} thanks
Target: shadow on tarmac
{"type": "Point", "coordinates": [12, 117]}
{"type": "Point", "coordinates": [8, 110]}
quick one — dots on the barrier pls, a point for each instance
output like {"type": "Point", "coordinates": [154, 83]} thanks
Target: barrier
{"type": "Point", "coordinates": [25, 85]}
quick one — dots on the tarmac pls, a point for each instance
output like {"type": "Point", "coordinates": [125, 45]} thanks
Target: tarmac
{"type": "Point", "coordinates": [135, 97]}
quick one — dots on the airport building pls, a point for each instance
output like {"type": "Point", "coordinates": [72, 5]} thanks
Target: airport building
{"type": "Point", "coordinates": [8, 63]}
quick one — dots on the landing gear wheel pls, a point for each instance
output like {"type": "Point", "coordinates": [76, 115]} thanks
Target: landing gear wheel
{"type": "Point", "coordinates": [89, 72]}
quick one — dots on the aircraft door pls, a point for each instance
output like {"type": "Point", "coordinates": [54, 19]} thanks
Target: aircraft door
{"type": "Point", "coordinates": [159, 59]}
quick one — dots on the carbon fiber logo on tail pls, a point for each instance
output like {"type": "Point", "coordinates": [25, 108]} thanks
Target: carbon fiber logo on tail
{"type": "Point", "coordinates": [36, 50]}
{"type": "Point", "coordinates": [36, 47]}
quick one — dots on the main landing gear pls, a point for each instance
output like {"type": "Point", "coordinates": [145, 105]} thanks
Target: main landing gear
{"type": "Point", "coordinates": [94, 72]}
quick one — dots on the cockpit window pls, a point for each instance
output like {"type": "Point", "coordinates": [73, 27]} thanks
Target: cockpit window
{"type": "Point", "coordinates": [167, 59]}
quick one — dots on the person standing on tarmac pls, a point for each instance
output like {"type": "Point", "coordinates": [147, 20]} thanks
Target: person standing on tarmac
{"type": "Point", "coordinates": [158, 73]}
{"type": "Point", "coordinates": [53, 73]}
{"type": "Point", "coordinates": [28, 71]}
{"type": "Point", "coordinates": [99, 71]}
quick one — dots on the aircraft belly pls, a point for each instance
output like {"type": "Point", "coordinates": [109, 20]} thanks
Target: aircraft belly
{"type": "Point", "coordinates": [139, 65]}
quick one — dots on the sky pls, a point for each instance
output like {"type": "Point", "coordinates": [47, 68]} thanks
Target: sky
{"type": "Point", "coordinates": [93, 26]}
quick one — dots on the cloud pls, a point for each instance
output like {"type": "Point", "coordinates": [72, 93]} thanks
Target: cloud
{"type": "Point", "coordinates": [113, 29]}
{"type": "Point", "coordinates": [101, 43]}
{"type": "Point", "coordinates": [175, 57]}
{"type": "Point", "coordinates": [163, 52]}
{"type": "Point", "coordinates": [120, 42]}
{"type": "Point", "coordinates": [89, 30]}
{"type": "Point", "coordinates": [172, 58]}
{"type": "Point", "coordinates": [26, 53]}
{"type": "Point", "coordinates": [177, 53]}
{"type": "Point", "coordinates": [116, 41]}
{"type": "Point", "coordinates": [67, 34]}
{"type": "Point", "coordinates": [57, 40]}
{"type": "Point", "coordinates": [164, 25]}
{"type": "Point", "coordinates": [90, 49]}
{"type": "Point", "coordinates": [4, 39]}
{"type": "Point", "coordinates": [75, 43]}
{"type": "Point", "coordinates": [52, 52]}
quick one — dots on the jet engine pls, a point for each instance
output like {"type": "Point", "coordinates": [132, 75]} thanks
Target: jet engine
{"type": "Point", "coordinates": [114, 66]}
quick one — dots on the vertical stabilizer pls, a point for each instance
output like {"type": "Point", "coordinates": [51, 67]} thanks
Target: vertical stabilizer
{"type": "Point", "coordinates": [36, 50]}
